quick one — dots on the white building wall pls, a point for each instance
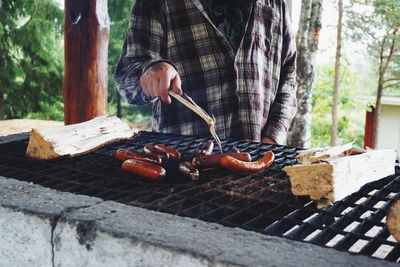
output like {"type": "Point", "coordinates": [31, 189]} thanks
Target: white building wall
{"type": "Point", "coordinates": [389, 128]}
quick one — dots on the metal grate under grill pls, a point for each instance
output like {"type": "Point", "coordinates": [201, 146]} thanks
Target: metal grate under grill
{"type": "Point", "coordinates": [259, 202]}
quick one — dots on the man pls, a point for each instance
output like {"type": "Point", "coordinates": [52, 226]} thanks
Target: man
{"type": "Point", "coordinates": [234, 58]}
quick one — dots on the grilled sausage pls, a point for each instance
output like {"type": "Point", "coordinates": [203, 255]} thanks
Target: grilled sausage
{"type": "Point", "coordinates": [145, 169]}
{"type": "Point", "coordinates": [172, 153]}
{"type": "Point", "coordinates": [123, 154]}
{"type": "Point", "coordinates": [242, 166]}
{"type": "Point", "coordinates": [151, 150]}
{"type": "Point", "coordinates": [187, 170]}
{"type": "Point", "coordinates": [209, 161]}
{"type": "Point", "coordinates": [205, 149]}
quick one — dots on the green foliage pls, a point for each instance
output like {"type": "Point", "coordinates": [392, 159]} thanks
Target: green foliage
{"type": "Point", "coordinates": [131, 113]}
{"type": "Point", "coordinates": [376, 23]}
{"type": "Point", "coordinates": [54, 112]}
{"type": "Point", "coordinates": [30, 56]}
{"type": "Point", "coordinates": [119, 12]}
{"type": "Point", "coordinates": [389, 10]}
{"type": "Point", "coordinates": [352, 106]}
{"type": "Point", "coordinates": [31, 59]}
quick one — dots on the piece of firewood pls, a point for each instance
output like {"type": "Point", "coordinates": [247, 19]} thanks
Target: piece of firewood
{"type": "Point", "coordinates": [77, 139]}
{"type": "Point", "coordinates": [393, 220]}
{"type": "Point", "coordinates": [334, 178]}
{"type": "Point", "coordinates": [320, 154]}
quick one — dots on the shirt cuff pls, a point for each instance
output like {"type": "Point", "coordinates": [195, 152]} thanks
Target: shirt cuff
{"type": "Point", "coordinates": [146, 99]}
{"type": "Point", "coordinates": [276, 131]}
{"type": "Point", "coordinates": [150, 63]}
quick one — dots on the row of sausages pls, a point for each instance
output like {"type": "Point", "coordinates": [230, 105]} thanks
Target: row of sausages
{"type": "Point", "coordinates": [150, 163]}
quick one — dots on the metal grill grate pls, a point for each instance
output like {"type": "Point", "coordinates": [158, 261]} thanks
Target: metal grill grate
{"type": "Point", "coordinates": [259, 202]}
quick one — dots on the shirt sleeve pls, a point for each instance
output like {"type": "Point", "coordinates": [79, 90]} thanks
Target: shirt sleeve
{"type": "Point", "coordinates": [145, 44]}
{"type": "Point", "coordinates": [284, 107]}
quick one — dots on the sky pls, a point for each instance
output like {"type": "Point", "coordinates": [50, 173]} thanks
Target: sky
{"type": "Point", "coordinates": [61, 3]}
{"type": "Point", "coordinates": [327, 41]}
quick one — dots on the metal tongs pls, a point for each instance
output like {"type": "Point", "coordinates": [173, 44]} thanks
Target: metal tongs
{"type": "Point", "coordinates": [199, 111]}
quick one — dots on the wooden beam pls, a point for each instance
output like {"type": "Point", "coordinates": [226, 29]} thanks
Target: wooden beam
{"type": "Point", "coordinates": [86, 53]}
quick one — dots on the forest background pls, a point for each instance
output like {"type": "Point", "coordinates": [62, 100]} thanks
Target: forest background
{"type": "Point", "coordinates": [31, 64]}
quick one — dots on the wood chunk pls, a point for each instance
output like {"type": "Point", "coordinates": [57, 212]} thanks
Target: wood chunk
{"type": "Point", "coordinates": [316, 155]}
{"type": "Point", "coordinates": [393, 220]}
{"type": "Point", "coordinates": [77, 139]}
{"type": "Point", "coordinates": [337, 177]}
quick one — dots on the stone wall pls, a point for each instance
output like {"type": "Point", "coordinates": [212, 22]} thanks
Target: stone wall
{"type": "Point", "coordinates": [44, 227]}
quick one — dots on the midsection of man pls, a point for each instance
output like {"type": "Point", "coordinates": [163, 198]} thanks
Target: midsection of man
{"type": "Point", "coordinates": [238, 80]}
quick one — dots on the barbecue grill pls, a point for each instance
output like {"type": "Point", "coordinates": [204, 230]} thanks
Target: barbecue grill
{"type": "Point", "coordinates": [260, 202]}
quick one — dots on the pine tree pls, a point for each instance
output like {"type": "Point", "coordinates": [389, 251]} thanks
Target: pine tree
{"type": "Point", "coordinates": [31, 58]}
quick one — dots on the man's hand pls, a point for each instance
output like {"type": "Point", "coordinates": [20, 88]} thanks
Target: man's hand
{"type": "Point", "coordinates": [159, 79]}
{"type": "Point", "coordinates": [267, 140]}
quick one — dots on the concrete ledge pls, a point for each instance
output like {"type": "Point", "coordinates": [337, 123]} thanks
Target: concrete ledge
{"type": "Point", "coordinates": [43, 227]}
{"type": "Point", "coordinates": [28, 215]}
{"type": "Point", "coordinates": [25, 239]}
{"type": "Point", "coordinates": [40, 201]}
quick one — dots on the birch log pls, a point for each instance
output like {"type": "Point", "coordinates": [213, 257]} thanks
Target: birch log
{"type": "Point", "coordinates": [299, 134]}
{"type": "Point", "coordinates": [77, 139]}
{"type": "Point", "coordinates": [335, 178]}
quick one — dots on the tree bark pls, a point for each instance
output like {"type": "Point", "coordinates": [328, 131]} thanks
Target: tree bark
{"type": "Point", "coordinates": [86, 51]}
{"type": "Point", "coordinates": [307, 45]}
{"type": "Point", "coordinates": [290, 6]}
{"type": "Point", "coordinates": [384, 62]}
{"type": "Point", "coordinates": [336, 84]}
{"type": "Point", "coordinates": [377, 113]}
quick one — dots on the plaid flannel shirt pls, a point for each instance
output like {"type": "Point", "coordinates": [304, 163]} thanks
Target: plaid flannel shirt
{"type": "Point", "coordinates": [251, 93]}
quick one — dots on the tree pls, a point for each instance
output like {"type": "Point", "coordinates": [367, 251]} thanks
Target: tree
{"type": "Point", "coordinates": [290, 5]}
{"type": "Point", "coordinates": [30, 56]}
{"type": "Point", "coordinates": [376, 23]}
{"type": "Point", "coordinates": [352, 85]}
{"type": "Point", "coordinates": [336, 84]}
{"type": "Point", "coordinates": [307, 45]}
{"type": "Point", "coordinates": [119, 12]}
{"type": "Point", "coordinates": [86, 35]}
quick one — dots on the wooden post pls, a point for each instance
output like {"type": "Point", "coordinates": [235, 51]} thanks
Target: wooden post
{"type": "Point", "coordinates": [369, 126]}
{"type": "Point", "coordinates": [86, 52]}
